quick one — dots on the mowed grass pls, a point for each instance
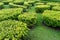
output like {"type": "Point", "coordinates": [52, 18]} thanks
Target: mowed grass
{"type": "Point", "coordinates": [42, 32]}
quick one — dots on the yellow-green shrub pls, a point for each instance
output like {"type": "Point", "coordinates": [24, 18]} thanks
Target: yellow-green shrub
{"type": "Point", "coordinates": [7, 1]}
{"type": "Point", "coordinates": [51, 18]}
{"type": "Point", "coordinates": [14, 30]}
{"type": "Point", "coordinates": [53, 3]}
{"type": "Point", "coordinates": [1, 5]}
{"type": "Point", "coordinates": [29, 18]}
{"type": "Point", "coordinates": [41, 8]}
{"type": "Point", "coordinates": [21, 2]}
{"type": "Point", "coordinates": [12, 5]}
{"type": "Point", "coordinates": [11, 13]}
{"type": "Point", "coordinates": [56, 8]}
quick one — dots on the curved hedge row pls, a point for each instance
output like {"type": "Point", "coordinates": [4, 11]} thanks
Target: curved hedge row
{"type": "Point", "coordinates": [12, 30]}
{"type": "Point", "coordinates": [29, 18]}
{"type": "Point", "coordinates": [11, 13]}
{"type": "Point", "coordinates": [51, 18]}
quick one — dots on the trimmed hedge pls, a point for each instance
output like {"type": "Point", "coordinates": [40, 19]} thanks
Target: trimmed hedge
{"type": "Point", "coordinates": [41, 8]}
{"type": "Point", "coordinates": [39, 3]}
{"type": "Point", "coordinates": [29, 18]}
{"type": "Point", "coordinates": [12, 5]}
{"type": "Point", "coordinates": [21, 2]}
{"type": "Point", "coordinates": [56, 8]}
{"type": "Point", "coordinates": [7, 1]}
{"type": "Point", "coordinates": [1, 5]}
{"type": "Point", "coordinates": [12, 30]}
{"type": "Point", "coordinates": [51, 18]}
{"type": "Point", "coordinates": [11, 13]}
{"type": "Point", "coordinates": [28, 4]}
{"type": "Point", "coordinates": [53, 3]}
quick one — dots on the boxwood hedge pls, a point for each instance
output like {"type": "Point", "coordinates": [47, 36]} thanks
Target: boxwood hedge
{"type": "Point", "coordinates": [19, 2]}
{"type": "Point", "coordinates": [29, 18]}
{"type": "Point", "coordinates": [11, 13]}
{"type": "Point", "coordinates": [56, 8]}
{"type": "Point", "coordinates": [1, 5]}
{"type": "Point", "coordinates": [51, 18]}
{"type": "Point", "coordinates": [6, 1]}
{"type": "Point", "coordinates": [12, 30]}
{"type": "Point", "coordinates": [12, 5]}
{"type": "Point", "coordinates": [41, 8]}
{"type": "Point", "coordinates": [53, 3]}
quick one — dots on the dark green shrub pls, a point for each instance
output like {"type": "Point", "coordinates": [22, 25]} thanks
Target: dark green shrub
{"type": "Point", "coordinates": [12, 30]}
{"type": "Point", "coordinates": [11, 13]}
{"type": "Point", "coordinates": [41, 8]}
{"type": "Point", "coordinates": [29, 18]}
{"type": "Point", "coordinates": [51, 18]}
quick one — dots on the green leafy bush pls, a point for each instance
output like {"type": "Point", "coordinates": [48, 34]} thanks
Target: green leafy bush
{"type": "Point", "coordinates": [51, 18]}
{"type": "Point", "coordinates": [41, 8]}
{"type": "Point", "coordinates": [39, 3]}
{"type": "Point", "coordinates": [1, 5]}
{"type": "Point", "coordinates": [56, 8]}
{"type": "Point", "coordinates": [12, 30]}
{"type": "Point", "coordinates": [28, 4]}
{"type": "Point", "coordinates": [53, 3]}
{"type": "Point", "coordinates": [7, 1]}
{"type": "Point", "coordinates": [11, 13]}
{"type": "Point", "coordinates": [21, 2]}
{"type": "Point", "coordinates": [29, 18]}
{"type": "Point", "coordinates": [12, 5]}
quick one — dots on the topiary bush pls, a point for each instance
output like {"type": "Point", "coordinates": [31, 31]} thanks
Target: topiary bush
{"type": "Point", "coordinates": [51, 18]}
{"type": "Point", "coordinates": [41, 8]}
{"type": "Point", "coordinates": [11, 13]}
{"type": "Point", "coordinates": [12, 30]}
{"type": "Point", "coordinates": [56, 8]}
{"type": "Point", "coordinates": [29, 18]}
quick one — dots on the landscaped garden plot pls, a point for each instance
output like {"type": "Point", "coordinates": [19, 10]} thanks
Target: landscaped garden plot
{"type": "Point", "coordinates": [29, 20]}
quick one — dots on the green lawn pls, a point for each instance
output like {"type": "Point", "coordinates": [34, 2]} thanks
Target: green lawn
{"type": "Point", "coordinates": [41, 32]}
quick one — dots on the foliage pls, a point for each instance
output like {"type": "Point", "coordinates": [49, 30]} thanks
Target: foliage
{"type": "Point", "coordinates": [12, 5]}
{"type": "Point", "coordinates": [51, 18]}
{"type": "Point", "coordinates": [53, 3]}
{"type": "Point", "coordinates": [56, 8]}
{"type": "Point", "coordinates": [11, 13]}
{"type": "Point", "coordinates": [11, 29]}
{"type": "Point", "coordinates": [41, 8]}
{"type": "Point", "coordinates": [29, 18]}
{"type": "Point", "coordinates": [18, 1]}
{"type": "Point", "coordinates": [7, 1]}
{"type": "Point", "coordinates": [1, 5]}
